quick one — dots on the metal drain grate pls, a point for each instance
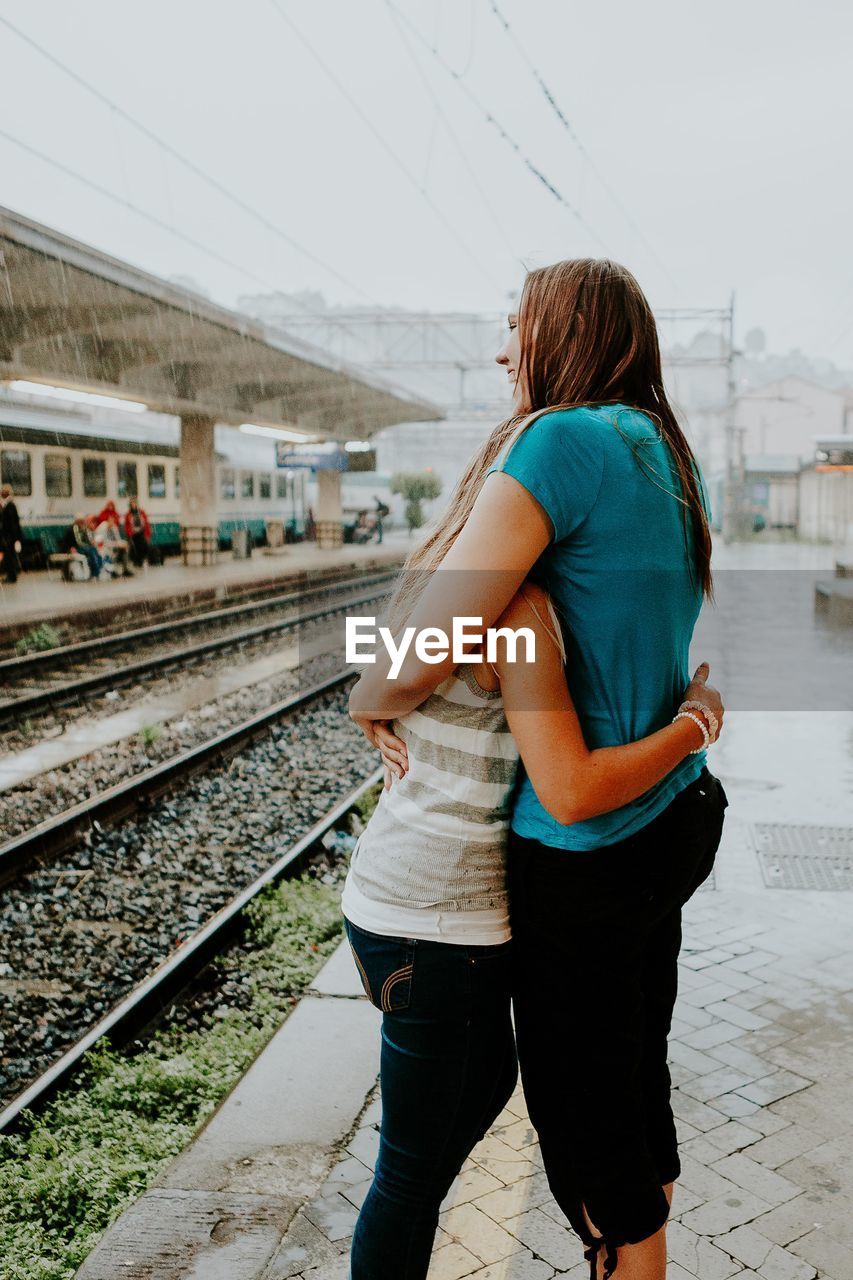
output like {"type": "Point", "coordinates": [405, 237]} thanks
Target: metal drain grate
{"type": "Point", "coordinates": [800, 857]}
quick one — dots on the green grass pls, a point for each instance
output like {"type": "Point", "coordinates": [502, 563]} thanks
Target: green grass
{"type": "Point", "coordinates": [41, 637]}
{"type": "Point", "coordinates": [150, 733]}
{"type": "Point", "coordinates": [70, 1171]}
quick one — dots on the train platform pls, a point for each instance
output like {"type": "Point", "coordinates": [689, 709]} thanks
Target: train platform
{"type": "Point", "coordinates": [168, 589]}
{"type": "Point", "coordinates": [761, 1057]}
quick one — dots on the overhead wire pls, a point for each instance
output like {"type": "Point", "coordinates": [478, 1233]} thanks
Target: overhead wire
{"type": "Point", "coordinates": [451, 132]}
{"type": "Point", "coordinates": [493, 121]}
{"type": "Point", "coordinates": [187, 162]}
{"type": "Point", "coordinates": [572, 133]}
{"type": "Point", "coordinates": [383, 142]}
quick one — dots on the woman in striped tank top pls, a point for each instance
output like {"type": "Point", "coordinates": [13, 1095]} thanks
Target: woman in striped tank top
{"type": "Point", "coordinates": [615, 819]}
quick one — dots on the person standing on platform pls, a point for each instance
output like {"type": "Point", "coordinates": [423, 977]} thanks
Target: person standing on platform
{"type": "Point", "coordinates": [10, 534]}
{"type": "Point", "coordinates": [381, 512]}
{"type": "Point", "coordinates": [138, 532]}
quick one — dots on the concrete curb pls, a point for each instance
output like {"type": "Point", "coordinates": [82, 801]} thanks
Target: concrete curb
{"type": "Point", "coordinates": [220, 1210]}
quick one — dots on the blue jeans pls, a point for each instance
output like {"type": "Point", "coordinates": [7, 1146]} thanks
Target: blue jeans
{"type": "Point", "coordinates": [448, 1067]}
{"type": "Point", "coordinates": [96, 562]}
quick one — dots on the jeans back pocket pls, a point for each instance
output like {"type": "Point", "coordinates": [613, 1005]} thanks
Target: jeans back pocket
{"type": "Point", "coordinates": [385, 966]}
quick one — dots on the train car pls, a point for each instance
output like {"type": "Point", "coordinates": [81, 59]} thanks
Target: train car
{"type": "Point", "coordinates": [57, 469]}
{"type": "Point", "coordinates": [60, 462]}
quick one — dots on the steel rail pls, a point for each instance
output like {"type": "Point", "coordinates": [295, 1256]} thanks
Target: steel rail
{"type": "Point", "coordinates": [64, 655]}
{"type": "Point", "coordinates": [54, 835]}
{"type": "Point", "coordinates": [150, 999]}
{"type": "Point", "coordinates": [59, 694]}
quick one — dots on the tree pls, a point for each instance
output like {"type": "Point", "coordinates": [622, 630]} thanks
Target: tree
{"type": "Point", "coordinates": [415, 486]}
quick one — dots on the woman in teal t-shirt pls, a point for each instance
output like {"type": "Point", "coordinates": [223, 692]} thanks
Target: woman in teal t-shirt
{"type": "Point", "coordinates": [592, 488]}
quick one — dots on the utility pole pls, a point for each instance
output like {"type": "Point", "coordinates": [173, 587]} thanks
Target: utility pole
{"type": "Point", "coordinates": [733, 484]}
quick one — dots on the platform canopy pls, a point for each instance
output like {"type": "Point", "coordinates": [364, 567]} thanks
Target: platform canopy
{"type": "Point", "coordinates": [75, 317]}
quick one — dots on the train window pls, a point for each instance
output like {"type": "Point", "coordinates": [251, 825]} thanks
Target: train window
{"type": "Point", "coordinates": [57, 475]}
{"type": "Point", "coordinates": [226, 482]}
{"type": "Point", "coordinates": [94, 478]}
{"type": "Point", "coordinates": [177, 482]}
{"type": "Point", "coordinates": [127, 483]}
{"type": "Point", "coordinates": [156, 480]}
{"type": "Point", "coordinates": [247, 484]}
{"type": "Point", "coordinates": [264, 485]}
{"type": "Point", "coordinates": [15, 470]}
{"type": "Point", "coordinates": [281, 486]}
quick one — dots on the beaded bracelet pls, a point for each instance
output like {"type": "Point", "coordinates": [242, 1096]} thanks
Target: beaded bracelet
{"type": "Point", "coordinates": [713, 722]}
{"type": "Point", "coordinates": [689, 715]}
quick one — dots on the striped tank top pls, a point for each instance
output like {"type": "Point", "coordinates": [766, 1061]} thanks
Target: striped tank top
{"type": "Point", "coordinates": [437, 839]}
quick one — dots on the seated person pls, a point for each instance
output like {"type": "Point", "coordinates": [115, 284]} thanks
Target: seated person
{"type": "Point", "coordinates": [78, 540]}
{"type": "Point", "coordinates": [111, 544]}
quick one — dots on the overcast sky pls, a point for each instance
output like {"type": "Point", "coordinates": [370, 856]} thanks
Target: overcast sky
{"type": "Point", "coordinates": [724, 130]}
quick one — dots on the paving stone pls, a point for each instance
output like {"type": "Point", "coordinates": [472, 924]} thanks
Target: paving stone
{"type": "Point", "coordinates": [734, 1055]}
{"type": "Point", "coordinates": [452, 1262]}
{"type": "Point", "coordinates": [334, 1215]}
{"type": "Point", "coordinates": [792, 1219]}
{"type": "Point", "coordinates": [731, 1137]}
{"type": "Point", "coordinates": [365, 1146]}
{"type": "Point", "coordinates": [779, 1148]}
{"type": "Point", "coordinates": [545, 1238]}
{"type": "Point", "coordinates": [752, 1176]}
{"type": "Point", "coordinates": [829, 1257]}
{"type": "Point", "coordinates": [716, 1083]}
{"type": "Point", "coordinates": [471, 1185]}
{"type": "Point", "coordinates": [510, 1202]}
{"type": "Point", "coordinates": [500, 1160]}
{"type": "Point", "coordinates": [732, 1012]}
{"type": "Point", "coordinates": [693, 1059]}
{"type": "Point", "coordinates": [328, 1271]}
{"type": "Point", "coordinates": [708, 1037]}
{"type": "Point", "coordinates": [356, 1193]}
{"type": "Point", "coordinates": [702, 1179]}
{"type": "Point", "coordinates": [765, 1122]}
{"type": "Point", "coordinates": [716, 1217]}
{"type": "Point", "coordinates": [305, 1247]}
{"type": "Point", "coordinates": [169, 1232]}
{"type": "Point", "coordinates": [696, 1113]}
{"type": "Point", "coordinates": [774, 1087]}
{"type": "Point", "coordinates": [480, 1234]}
{"type": "Point", "coordinates": [518, 1135]}
{"type": "Point", "coordinates": [698, 1256]}
{"type": "Point", "coordinates": [521, 1266]}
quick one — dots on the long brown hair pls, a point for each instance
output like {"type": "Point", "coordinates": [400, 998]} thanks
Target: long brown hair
{"type": "Point", "coordinates": [588, 337]}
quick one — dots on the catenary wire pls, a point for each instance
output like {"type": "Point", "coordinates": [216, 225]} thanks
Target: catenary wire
{"type": "Point", "coordinates": [569, 129]}
{"type": "Point", "coordinates": [492, 120]}
{"type": "Point", "coordinates": [185, 160]}
{"type": "Point", "coordinates": [385, 145]}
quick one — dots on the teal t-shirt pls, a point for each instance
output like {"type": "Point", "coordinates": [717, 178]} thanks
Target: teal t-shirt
{"type": "Point", "coordinates": [619, 575]}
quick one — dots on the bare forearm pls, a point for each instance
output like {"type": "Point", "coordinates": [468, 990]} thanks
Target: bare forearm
{"type": "Point", "coordinates": [610, 777]}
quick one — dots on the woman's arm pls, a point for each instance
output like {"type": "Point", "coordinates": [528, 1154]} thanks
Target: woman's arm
{"type": "Point", "coordinates": [503, 537]}
{"type": "Point", "coordinates": [572, 782]}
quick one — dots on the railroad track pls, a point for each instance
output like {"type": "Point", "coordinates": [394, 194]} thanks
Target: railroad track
{"type": "Point", "coordinates": [50, 838]}
{"type": "Point", "coordinates": [151, 997]}
{"type": "Point", "coordinates": [84, 653]}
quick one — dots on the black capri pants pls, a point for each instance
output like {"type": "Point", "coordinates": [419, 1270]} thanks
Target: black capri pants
{"type": "Point", "coordinates": [596, 938]}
